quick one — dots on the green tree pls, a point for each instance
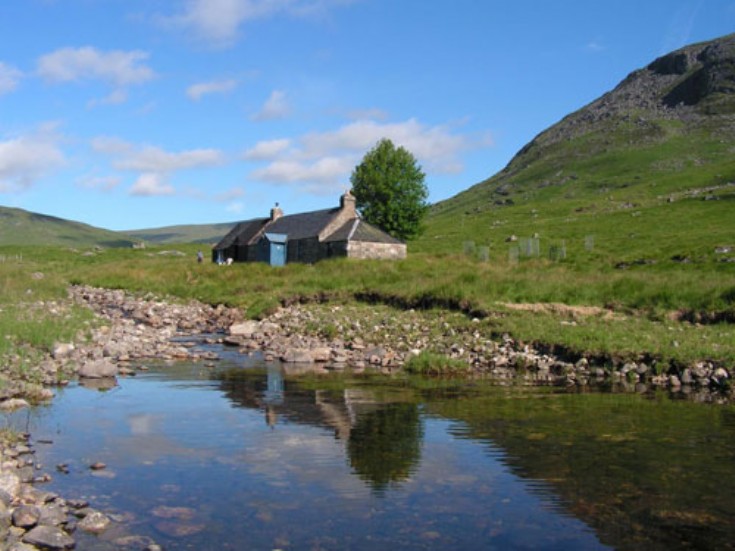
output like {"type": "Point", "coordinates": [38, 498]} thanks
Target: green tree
{"type": "Point", "coordinates": [389, 190]}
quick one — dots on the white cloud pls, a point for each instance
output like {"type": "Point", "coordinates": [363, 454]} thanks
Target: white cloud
{"type": "Point", "coordinates": [275, 107]}
{"type": "Point", "coordinates": [154, 159]}
{"type": "Point", "coordinates": [594, 46]}
{"type": "Point", "coordinates": [219, 21]}
{"type": "Point", "coordinates": [266, 150]}
{"type": "Point", "coordinates": [201, 89]}
{"type": "Point", "coordinates": [325, 160]}
{"type": "Point", "coordinates": [154, 164]}
{"type": "Point", "coordinates": [9, 78]}
{"type": "Point", "coordinates": [235, 207]}
{"type": "Point", "coordinates": [116, 97]}
{"type": "Point", "coordinates": [117, 67]}
{"type": "Point", "coordinates": [328, 172]}
{"type": "Point", "coordinates": [151, 184]}
{"type": "Point", "coordinates": [104, 183]}
{"type": "Point", "coordinates": [25, 159]}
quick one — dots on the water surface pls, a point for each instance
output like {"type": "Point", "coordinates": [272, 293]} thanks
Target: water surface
{"type": "Point", "coordinates": [249, 455]}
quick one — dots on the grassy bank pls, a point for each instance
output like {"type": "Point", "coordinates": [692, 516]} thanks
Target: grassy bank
{"type": "Point", "coordinates": [631, 315]}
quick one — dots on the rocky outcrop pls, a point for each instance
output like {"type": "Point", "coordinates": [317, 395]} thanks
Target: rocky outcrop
{"type": "Point", "coordinates": [31, 518]}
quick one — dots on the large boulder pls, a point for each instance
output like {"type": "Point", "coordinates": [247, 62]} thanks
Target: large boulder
{"type": "Point", "coordinates": [49, 537]}
{"type": "Point", "coordinates": [97, 369]}
{"type": "Point", "coordinates": [297, 355]}
{"type": "Point", "coordinates": [244, 329]}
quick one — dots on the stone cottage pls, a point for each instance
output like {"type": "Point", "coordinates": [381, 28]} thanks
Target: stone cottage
{"type": "Point", "coordinates": [307, 237]}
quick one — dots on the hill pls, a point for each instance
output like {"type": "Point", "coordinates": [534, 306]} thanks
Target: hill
{"type": "Point", "coordinates": [206, 234]}
{"type": "Point", "coordinates": [20, 227]}
{"type": "Point", "coordinates": [645, 174]}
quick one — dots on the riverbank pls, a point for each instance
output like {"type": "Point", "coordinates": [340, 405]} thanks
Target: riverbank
{"type": "Point", "coordinates": [130, 330]}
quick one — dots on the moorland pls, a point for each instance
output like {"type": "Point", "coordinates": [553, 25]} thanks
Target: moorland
{"type": "Point", "coordinates": [609, 236]}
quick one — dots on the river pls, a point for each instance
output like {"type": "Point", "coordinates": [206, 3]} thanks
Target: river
{"type": "Point", "coordinates": [255, 455]}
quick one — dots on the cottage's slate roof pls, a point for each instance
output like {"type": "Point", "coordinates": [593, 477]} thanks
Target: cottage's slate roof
{"type": "Point", "coordinates": [359, 230]}
{"type": "Point", "coordinates": [304, 225]}
{"type": "Point", "coordinates": [242, 233]}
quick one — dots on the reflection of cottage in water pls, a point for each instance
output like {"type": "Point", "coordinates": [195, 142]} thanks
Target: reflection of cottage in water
{"type": "Point", "coordinates": [382, 439]}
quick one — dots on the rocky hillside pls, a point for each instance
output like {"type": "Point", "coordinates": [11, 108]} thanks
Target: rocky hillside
{"type": "Point", "coordinates": [664, 136]}
{"type": "Point", "coordinates": [694, 86]}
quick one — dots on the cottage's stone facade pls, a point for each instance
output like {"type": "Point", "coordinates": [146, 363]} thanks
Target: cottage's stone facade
{"type": "Point", "coordinates": [309, 237]}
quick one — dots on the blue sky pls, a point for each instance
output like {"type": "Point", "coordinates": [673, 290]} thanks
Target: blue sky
{"type": "Point", "coordinates": [129, 114]}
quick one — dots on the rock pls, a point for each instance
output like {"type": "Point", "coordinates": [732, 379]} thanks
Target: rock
{"type": "Point", "coordinates": [20, 546]}
{"type": "Point", "coordinates": [97, 369]}
{"type": "Point", "coordinates": [297, 355]}
{"type": "Point", "coordinates": [10, 484]}
{"type": "Point", "coordinates": [62, 350]}
{"type": "Point", "coordinates": [94, 523]}
{"type": "Point", "coordinates": [321, 354]}
{"type": "Point", "coordinates": [686, 377]}
{"type": "Point", "coordinates": [26, 516]}
{"type": "Point", "coordinates": [181, 513]}
{"type": "Point", "coordinates": [49, 537]}
{"type": "Point", "coordinates": [179, 529]}
{"type": "Point", "coordinates": [53, 515]}
{"type": "Point", "coordinates": [134, 542]}
{"type": "Point", "coordinates": [244, 329]}
{"type": "Point", "coordinates": [13, 403]}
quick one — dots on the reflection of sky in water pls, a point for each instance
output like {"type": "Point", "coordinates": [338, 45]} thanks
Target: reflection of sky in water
{"type": "Point", "coordinates": [183, 443]}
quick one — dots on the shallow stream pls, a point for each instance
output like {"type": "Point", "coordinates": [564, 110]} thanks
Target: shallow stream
{"type": "Point", "coordinates": [249, 455]}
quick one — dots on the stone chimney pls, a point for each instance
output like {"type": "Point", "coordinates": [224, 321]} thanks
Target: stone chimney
{"type": "Point", "coordinates": [347, 204]}
{"type": "Point", "coordinates": [345, 213]}
{"type": "Point", "coordinates": [276, 213]}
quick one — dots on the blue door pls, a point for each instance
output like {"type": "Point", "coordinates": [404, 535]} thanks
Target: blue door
{"type": "Point", "coordinates": [276, 243]}
{"type": "Point", "coordinates": [278, 254]}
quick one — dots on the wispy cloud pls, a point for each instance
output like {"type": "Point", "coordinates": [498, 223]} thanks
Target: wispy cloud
{"type": "Point", "coordinates": [151, 185]}
{"type": "Point", "coordinates": [594, 46]}
{"type": "Point", "coordinates": [199, 90]}
{"type": "Point", "coordinates": [154, 165]}
{"type": "Point", "coordinates": [323, 161]}
{"type": "Point", "coordinates": [9, 78]}
{"type": "Point", "coordinates": [148, 158]}
{"type": "Point", "coordinates": [103, 183]}
{"type": "Point", "coordinates": [219, 21]}
{"type": "Point", "coordinates": [116, 97]}
{"type": "Point", "coordinates": [275, 107]}
{"type": "Point", "coordinates": [265, 150]}
{"type": "Point", "coordinates": [25, 159]}
{"type": "Point", "coordinates": [117, 67]}
{"type": "Point", "coordinates": [680, 26]}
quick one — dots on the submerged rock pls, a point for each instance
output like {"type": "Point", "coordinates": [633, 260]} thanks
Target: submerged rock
{"type": "Point", "coordinates": [49, 537]}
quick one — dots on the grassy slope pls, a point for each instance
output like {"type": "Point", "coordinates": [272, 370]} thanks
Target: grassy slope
{"type": "Point", "coordinates": [194, 233]}
{"type": "Point", "coordinates": [20, 227]}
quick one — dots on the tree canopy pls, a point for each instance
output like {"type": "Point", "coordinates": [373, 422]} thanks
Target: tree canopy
{"type": "Point", "coordinates": [389, 190]}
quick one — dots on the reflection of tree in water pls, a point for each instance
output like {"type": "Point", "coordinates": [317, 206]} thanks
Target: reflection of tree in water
{"type": "Point", "coordinates": [385, 444]}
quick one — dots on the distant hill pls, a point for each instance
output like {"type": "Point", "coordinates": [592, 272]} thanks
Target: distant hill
{"type": "Point", "coordinates": [20, 227]}
{"type": "Point", "coordinates": [206, 234]}
{"type": "Point", "coordinates": [645, 173]}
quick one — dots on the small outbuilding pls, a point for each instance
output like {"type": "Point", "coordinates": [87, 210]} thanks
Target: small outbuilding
{"type": "Point", "coordinates": [308, 237]}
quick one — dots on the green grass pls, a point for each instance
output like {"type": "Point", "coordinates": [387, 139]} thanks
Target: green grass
{"type": "Point", "coordinates": [643, 298]}
{"type": "Point", "coordinates": [430, 363]}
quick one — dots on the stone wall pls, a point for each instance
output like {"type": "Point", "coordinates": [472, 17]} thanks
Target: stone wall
{"type": "Point", "coordinates": [369, 250]}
